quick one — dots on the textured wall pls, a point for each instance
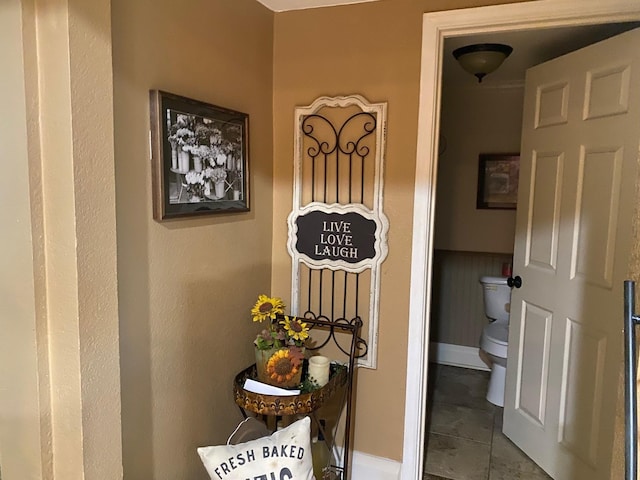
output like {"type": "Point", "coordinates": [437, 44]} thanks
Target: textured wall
{"type": "Point", "coordinates": [372, 49]}
{"type": "Point", "coordinates": [64, 320]}
{"type": "Point", "coordinates": [186, 286]}
{"type": "Point", "coordinates": [20, 435]}
{"type": "Point", "coordinates": [74, 49]}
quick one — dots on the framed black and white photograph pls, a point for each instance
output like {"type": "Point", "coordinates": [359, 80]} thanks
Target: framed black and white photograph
{"type": "Point", "coordinates": [199, 157]}
{"type": "Point", "coordinates": [498, 180]}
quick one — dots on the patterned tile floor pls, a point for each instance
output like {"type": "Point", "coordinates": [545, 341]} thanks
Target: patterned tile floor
{"type": "Point", "coordinates": [465, 440]}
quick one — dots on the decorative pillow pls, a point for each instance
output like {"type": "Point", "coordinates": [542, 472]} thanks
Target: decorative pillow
{"type": "Point", "coordinates": [284, 455]}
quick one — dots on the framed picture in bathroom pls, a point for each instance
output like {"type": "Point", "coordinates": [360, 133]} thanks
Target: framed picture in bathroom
{"type": "Point", "coordinates": [498, 180]}
{"type": "Point", "coordinates": [199, 157]}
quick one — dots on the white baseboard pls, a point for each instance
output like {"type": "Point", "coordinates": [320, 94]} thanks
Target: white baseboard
{"type": "Point", "coordinates": [370, 467]}
{"type": "Point", "coordinates": [456, 355]}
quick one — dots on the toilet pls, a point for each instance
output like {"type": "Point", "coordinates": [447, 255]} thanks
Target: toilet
{"type": "Point", "coordinates": [495, 335]}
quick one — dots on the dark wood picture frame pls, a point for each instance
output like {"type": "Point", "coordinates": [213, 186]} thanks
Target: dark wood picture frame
{"type": "Point", "coordinates": [498, 180]}
{"type": "Point", "coordinates": [200, 158]}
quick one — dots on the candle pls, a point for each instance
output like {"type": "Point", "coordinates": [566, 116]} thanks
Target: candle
{"type": "Point", "coordinates": [319, 369]}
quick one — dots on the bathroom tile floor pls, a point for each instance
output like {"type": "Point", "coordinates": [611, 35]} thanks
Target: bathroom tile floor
{"type": "Point", "coordinates": [464, 439]}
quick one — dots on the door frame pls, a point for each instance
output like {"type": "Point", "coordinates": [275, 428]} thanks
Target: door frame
{"type": "Point", "coordinates": [436, 28]}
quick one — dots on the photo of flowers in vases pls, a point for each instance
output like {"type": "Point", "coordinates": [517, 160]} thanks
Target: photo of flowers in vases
{"type": "Point", "coordinates": [206, 158]}
{"type": "Point", "coordinates": [280, 347]}
{"type": "Point", "coordinates": [200, 157]}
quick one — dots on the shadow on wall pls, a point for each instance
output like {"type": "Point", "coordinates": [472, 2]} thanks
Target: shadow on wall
{"type": "Point", "coordinates": [178, 367]}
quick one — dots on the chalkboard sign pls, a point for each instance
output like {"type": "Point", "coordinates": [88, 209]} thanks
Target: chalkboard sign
{"type": "Point", "coordinates": [348, 237]}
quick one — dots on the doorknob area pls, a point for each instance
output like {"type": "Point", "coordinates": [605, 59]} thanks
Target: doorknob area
{"type": "Point", "coordinates": [514, 282]}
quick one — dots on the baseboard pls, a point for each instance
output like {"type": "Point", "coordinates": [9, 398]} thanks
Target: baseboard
{"type": "Point", "coordinates": [456, 355]}
{"type": "Point", "coordinates": [370, 467]}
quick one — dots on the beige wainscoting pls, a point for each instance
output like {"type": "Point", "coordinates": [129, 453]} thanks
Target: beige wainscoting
{"type": "Point", "coordinates": [457, 315]}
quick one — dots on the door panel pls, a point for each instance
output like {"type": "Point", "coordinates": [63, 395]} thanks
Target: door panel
{"type": "Point", "coordinates": [581, 131]}
{"type": "Point", "coordinates": [580, 409]}
{"type": "Point", "coordinates": [600, 170]}
{"type": "Point", "coordinates": [545, 201]}
{"type": "Point", "coordinates": [533, 375]}
{"type": "Point", "coordinates": [607, 91]}
{"type": "Point", "coordinates": [552, 104]}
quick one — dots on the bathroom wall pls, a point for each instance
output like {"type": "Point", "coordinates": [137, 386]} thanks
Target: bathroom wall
{"type": "Point", "coordinates": [457, 304]}
{"type": "Point", "coordinates": [470, 242]}
{"type": "Point", "coordinates": [475, 119]}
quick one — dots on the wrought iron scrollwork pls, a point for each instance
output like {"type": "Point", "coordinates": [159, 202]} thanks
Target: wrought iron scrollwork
{"type": "Point", "coordinates": [368, 127]}
{"type": "Point", "coordinates": [341, 143]}
{"type": "Point", "coordinates": [351, 328]}
{"type": "Point", "coordinates": [338, 325]}
{"type": "Point", "coordinates": [319, 146]}
{"type": "Point", "coordinates": [336, 140]}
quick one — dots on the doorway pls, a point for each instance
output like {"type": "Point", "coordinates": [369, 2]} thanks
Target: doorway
{"type": "Point", "coordinates": [436, 28]}
{"type": "Point", "coordinates": [471, 242]}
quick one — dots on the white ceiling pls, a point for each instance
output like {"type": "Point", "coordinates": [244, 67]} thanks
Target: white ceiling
{"type": "Point", "coordinates": [284, 5]}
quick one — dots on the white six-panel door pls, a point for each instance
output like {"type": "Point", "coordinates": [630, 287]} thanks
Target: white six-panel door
{"type": "Point", "coordinates": [579, 162]}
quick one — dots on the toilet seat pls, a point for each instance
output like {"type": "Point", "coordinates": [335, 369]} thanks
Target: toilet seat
{"type": "Point", "coordinates": [495, 338]}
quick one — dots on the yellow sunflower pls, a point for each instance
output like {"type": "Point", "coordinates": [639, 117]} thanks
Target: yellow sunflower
{"type": "Point", "coordinates": [295, 329]}
{"type": "Point", "coordinates": [282, 366]}
{"type": "Point", "coordinates": [266, 307]}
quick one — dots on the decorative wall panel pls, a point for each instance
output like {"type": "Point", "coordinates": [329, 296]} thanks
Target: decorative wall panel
{"type": "Point", "coordinates": [337, 229]}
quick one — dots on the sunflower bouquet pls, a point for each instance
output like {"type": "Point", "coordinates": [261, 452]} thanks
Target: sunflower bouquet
{"type": "Point", "coordinates": [280, 346]}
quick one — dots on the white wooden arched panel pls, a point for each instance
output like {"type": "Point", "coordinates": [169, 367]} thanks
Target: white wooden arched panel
{"type": "Point", "coordinates": [337, 229]}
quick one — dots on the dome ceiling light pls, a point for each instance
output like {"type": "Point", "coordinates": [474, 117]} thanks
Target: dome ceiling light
{"type": "Point", "coordinates": [482, 58]}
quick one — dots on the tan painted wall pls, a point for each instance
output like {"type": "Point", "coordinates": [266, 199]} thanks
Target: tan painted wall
{"type": "Point", "coordinates": [21, 435]}
{"type": "Point", "coordinates": [371, 49]}
{"type": "Point", "coordinates": [474, 120]}
{"type": "Point", "coordinates": [186, 286]}
{"type": "Point", "coordinates": [74, 51]}
{"type": "Point", "coordinates": [62, 393]}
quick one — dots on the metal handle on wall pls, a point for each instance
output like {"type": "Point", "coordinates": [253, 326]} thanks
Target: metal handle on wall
{"type": "Point", "coordinates": [630, 375]}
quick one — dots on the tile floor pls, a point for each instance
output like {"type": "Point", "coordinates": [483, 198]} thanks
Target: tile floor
{"type": "Point", "coordinates": [465, 440]}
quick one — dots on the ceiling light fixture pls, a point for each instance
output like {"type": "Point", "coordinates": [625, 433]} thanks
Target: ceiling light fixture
{"type": "Point", "coordinates": [482, 58]}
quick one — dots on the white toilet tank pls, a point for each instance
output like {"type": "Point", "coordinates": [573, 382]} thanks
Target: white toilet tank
{"type": "Point", "coordinates": [497, 297]}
